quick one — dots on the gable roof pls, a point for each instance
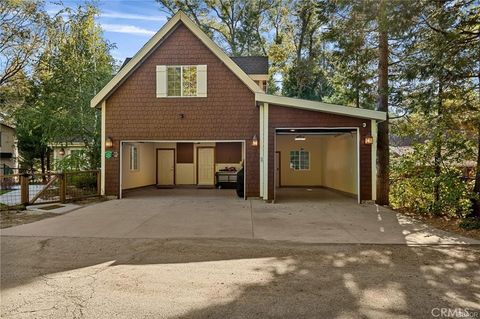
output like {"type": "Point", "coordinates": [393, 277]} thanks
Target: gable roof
{"type": "Point", "coordinates": [320, 106]}
{"type": "Point", "coordinates": [152, 44]}
{"type": "Point", "coordinates": [252, 64]}
{"type": "Point", "coordinates": [125, 63]}
{"type": "Point", "coordinates": [240, 66]}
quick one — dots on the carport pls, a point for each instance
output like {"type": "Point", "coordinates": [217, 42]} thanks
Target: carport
{"type": "Point", "coordinates": [311, 158]}
{"type": "Point", "coordinates": [180, 164]}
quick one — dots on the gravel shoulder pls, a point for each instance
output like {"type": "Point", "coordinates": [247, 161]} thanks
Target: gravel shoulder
{"type": "Point", "coordinates": [45, 277]}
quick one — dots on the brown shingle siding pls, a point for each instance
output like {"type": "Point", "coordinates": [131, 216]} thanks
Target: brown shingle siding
{"type": "Point", "coordinates": [134, 112]}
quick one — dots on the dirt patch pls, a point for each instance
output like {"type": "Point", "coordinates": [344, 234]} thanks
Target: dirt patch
{"type": "Point", "coordinates": [51, 207]}
{"type": "Point", "coordinates": [10, 218]}
{"type": "Point", "coordinates": [90, 200]}
{"type": "Point", "coordinates": [443, 223]}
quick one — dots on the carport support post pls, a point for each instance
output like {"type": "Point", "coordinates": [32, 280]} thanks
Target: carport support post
{"type": "Point", "coordinates": [264, 139]}
{"type": "Point", "coordinates": [374, 131]}
{"type": "Point", "coordinates": [24, 191]}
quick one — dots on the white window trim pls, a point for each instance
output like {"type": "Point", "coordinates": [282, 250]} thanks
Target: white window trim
{"type": "Point", "coordinates": [131, 162]}
{"type": "Point", "coordinates": [181, 81]}
{"type": "Point", "coordinates": [300, 169]}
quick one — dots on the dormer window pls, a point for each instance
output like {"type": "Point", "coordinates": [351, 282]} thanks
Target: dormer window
{"type": "Point", "coordinates": [181, 80]}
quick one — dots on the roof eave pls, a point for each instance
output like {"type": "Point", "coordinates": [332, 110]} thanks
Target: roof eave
{"type": "Point", "coordinates": [320, 107]}
{"type": "Point", "coordinates": [150, 45]}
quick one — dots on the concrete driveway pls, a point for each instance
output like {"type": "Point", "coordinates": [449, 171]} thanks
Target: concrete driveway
{"type": "Point", "coordinates": [127, 259]}
{"type": "Point", "coordinates": [300, 215]}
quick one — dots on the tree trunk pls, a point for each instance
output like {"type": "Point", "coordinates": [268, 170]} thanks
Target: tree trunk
{"type": "Point", "coordinates": [437, 169]}
{"type": "Point", "coordinates": [383, 151]}
{"type": "Point", "coordinates": [476, 188]}
{"type": "Point", "coordinates": [49, 166]}
{"type": "Point", "coordinates": [475, 212]}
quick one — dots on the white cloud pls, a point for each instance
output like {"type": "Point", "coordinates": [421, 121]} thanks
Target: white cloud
{"type": "Point", "coordinates": [130, 16]}
{"type": "Point", "coordinates": [125, 28]}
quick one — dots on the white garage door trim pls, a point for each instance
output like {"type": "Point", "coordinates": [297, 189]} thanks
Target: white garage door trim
{"type": "Point", "coordinates": [244, 155]}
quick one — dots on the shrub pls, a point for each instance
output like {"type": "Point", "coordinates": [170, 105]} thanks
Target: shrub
{"type": "Point", "coordinates": [470, 223]}
{"type": "Point", "coordinates": [414, 180]}
{"type": "Point", "coordinates": [6, 183]}
{"type": "Point", "coordinates": [73, 162]}
{"type": "Point", "coordinates": [83, 181]}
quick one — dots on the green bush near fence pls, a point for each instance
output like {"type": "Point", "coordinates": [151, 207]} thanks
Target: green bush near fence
{"type": "Point", "coordinates": [6, 183]}
{"type": "Point", "coordinates": [470, 223]}
{"type": "Point", "coordinates": [414, 182]}
{"type": "Point", "coordinates": [83, 181]}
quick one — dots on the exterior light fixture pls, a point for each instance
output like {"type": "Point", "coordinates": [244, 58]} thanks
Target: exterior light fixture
{"type": "Point", "coordinates": [61, 152]}
{"type": "Point", "coordinates": [255, 140]}
{"type": "Point", "coordinates": [368, 140]}
{"type": "Point", "coordinates": [300, 138]}
{"type": "Point", "coordinates": [109, 142]}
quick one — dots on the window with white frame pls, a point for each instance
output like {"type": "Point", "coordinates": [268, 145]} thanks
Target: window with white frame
{"type": "Point", "coordinates": [182, 81]}
{"type": "Point", "coordinates": [300, 160]}
{"type": "Point", "coordinates": [133, 158]}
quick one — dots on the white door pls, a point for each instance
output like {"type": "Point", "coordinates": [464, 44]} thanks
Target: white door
{"type": "Point", "coordinates": [277, 169]}
{"type": "Point", "coordinates": [165, 167]}
{"type": "Point", "coordinates": [205, 166]}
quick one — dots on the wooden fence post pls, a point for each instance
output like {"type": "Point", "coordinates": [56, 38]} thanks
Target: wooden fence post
{"type": "Point", "coordinates": [63, 188]}
{"type": "Point", "coordinates": [24, 189]}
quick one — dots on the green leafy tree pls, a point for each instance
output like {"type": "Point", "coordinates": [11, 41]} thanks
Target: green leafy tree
{"type": "Point", "coordinates": [239, 26]}
{"type": "Point", "coordinates": [307, 75]}
{"type": "Point", "coordinates": [22, 30]}
{"type": "Point", "coordinates": [440, 89]}
{"type": "Point", "coordinates": [73, 66]}
{"type": "Point", "coordinates": [352, 55]}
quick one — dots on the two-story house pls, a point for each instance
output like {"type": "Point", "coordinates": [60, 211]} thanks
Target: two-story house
{"type": "Point", "coordinates": [181, 110]}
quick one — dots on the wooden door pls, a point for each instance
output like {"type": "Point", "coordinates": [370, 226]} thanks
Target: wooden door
{"type": "Point", "coordinates": [165, 167]}
{"type": "Point", "coordinates": [206, 166]}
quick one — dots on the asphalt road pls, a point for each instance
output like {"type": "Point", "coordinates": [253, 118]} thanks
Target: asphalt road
{"type": "Point", "coordinates": [233, 278]}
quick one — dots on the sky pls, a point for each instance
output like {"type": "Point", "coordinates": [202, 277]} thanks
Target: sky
{"type": "Point", "coordinates": [128, 24]}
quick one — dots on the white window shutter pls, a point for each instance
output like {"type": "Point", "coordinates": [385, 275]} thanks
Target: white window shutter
{"type": "Point", "coordinates": [161, 80]}
{"type": "Point", "coordinates": [201, 80]}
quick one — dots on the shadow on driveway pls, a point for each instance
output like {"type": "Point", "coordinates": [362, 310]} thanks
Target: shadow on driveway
{"type": "Point", "coordinates": [233, 278]}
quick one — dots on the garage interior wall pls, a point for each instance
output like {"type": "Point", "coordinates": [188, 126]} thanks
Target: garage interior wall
{"type": "Point", "coordinates": [333, 161]}
{"type": "Point", "coordinates": [145, 175]}
{"type": "Point", "coordinates": [185, 173]}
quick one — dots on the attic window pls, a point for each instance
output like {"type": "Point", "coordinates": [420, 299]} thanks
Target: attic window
{"type": "Point", "coordinates": [182, 81]}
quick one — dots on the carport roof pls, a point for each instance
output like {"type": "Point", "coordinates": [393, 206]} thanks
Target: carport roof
{"type": "Point", "coordinates": [320, 106]}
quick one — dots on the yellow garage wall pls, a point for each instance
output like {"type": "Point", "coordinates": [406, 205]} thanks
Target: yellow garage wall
{"type": "Point", "coordinates": [333, 161]}
{"type": "Point", "coordinates": [290, 177]}
{"type": "Point", "coordinates": [145, 175]}
{"type": "Point", "coordinates": [185, 174]}
{"type": "Point", "coordinates": [339, 162]}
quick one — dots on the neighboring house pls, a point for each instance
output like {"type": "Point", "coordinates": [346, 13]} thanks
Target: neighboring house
{"type": "Point", "coordinates": [181, 110]}
{"type": "Point", "coordinates": [60, 150]}
{"type": "Point", "coordinates": [8, 150]}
